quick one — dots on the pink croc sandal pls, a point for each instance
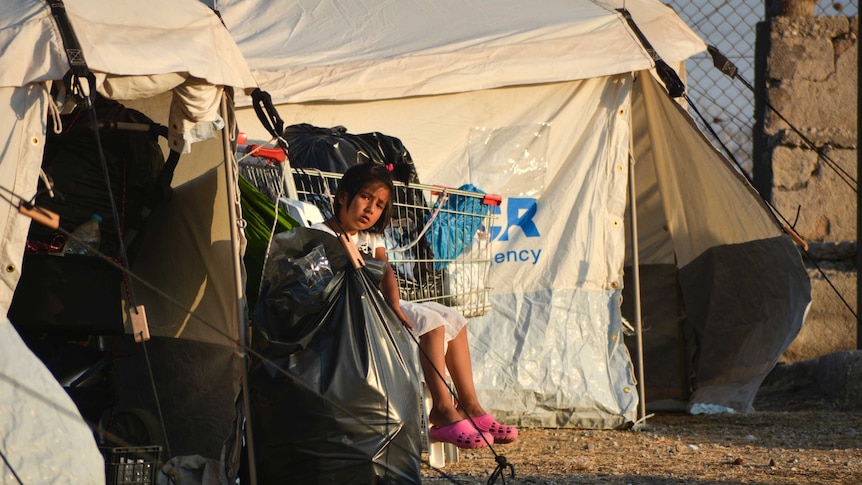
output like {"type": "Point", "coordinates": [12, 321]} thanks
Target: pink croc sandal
{"type": "Point", "coordinates": [461, 434]}
{"type": "Point", "coordinates": [502, 434]}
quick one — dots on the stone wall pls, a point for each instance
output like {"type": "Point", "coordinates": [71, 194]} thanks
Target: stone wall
{"type": "Point", "coordinates": [806, 67]}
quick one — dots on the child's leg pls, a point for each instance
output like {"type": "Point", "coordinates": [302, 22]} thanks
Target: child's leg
{"type": "Point", "coordinates": [443, 412]}
{"type": "Point", "coordinates": [461, 370]}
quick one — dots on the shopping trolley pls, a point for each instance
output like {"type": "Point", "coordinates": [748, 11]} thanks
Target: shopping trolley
{"type": "Point", "coordinates": [437, 241]}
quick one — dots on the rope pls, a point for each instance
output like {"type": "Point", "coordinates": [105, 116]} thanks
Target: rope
{"type": "Point", "coordinates": [723, 64]}
{"type": "Point", "coordinates": [78, 71]}
{"type": "Point", "coordinates": [826, 278]}
{"type": "Point", "coordinates": [12, 470]}
{"type": "Point", "coordinates": [782, 221]}
{"type": "Point", "coordinates": [156, 394]}
{"type": "Point", "coordinates": [54, 112]}
{"type": "Point", "coordinates": [236, 343]}
{"type": "Point", "coordinates": [438, 206]}
{"type": "Point", "coordinates": [501, 461]}
{"type": "Point", "coordinates": [502, 466]}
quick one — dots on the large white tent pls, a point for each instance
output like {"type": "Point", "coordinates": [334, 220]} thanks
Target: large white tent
{"type": "Point", "coordinates": [552, 105]}
{"type": "Point", "coordinates": [175, 62]}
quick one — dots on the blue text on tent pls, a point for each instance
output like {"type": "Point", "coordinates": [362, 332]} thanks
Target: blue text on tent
{"type": "Point", "coordinates": [519, 213]}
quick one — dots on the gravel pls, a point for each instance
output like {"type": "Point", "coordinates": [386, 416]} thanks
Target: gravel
{"type": "Point", "coordinates": [789, 439]}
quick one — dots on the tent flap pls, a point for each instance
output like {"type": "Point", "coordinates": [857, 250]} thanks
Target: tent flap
{"type": "Point", "coordinates": [745, 303]}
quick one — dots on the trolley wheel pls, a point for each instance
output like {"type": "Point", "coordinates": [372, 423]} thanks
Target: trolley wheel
{"type": "Point", "coordinates": [138, 427]}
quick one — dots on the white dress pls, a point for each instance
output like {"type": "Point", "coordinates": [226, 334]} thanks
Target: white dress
{"type": "Point", "coordinates": [424, 316]}
{"type": "Point", "coordinates": [428, 315]}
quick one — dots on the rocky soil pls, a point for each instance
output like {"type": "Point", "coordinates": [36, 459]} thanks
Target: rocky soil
{"type": "Point", "coordinates": [763, 447]}
{"type": "Point", "coordinates": [797, 435]}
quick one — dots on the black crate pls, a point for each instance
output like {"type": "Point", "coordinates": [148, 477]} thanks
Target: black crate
{"type": "Point", "coordinates": [137, 465]}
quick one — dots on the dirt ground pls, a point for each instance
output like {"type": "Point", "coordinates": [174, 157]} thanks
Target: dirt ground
{"type": "Point", "coordinates": [782, 442]}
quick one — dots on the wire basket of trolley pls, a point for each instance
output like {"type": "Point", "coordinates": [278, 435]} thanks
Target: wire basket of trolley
{"type": "Point", "coordinates": [437, 242]}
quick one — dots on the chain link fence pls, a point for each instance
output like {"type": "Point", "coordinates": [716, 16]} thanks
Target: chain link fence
{"type": "Point", "coordinates": [727, 104]}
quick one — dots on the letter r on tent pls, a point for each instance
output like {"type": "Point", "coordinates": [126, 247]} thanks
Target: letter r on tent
{"type": "Point", "coordinates": [519, 212]}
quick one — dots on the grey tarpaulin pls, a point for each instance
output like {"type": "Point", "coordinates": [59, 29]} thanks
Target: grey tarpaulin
{"type": "Point", "coordinates": [335, 396]}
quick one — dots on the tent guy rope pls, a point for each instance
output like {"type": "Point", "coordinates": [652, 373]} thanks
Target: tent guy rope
{"type": "Point", "coordinates": [235, 343]}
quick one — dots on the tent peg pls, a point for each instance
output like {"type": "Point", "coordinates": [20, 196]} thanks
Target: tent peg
{"type": "Point", "coordinates": [139, 324]}
{"type": "Point", "coordinates": [40, 215]}
{"type": "Point", "coordinates": [795, 236]}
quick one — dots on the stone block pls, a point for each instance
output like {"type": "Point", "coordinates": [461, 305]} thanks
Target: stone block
{"type": "Point", "coordinates": [790, 8]}
{"type": "Point", "coordinates": [792, 168]}
{"type": "Point", "coordinates": [801, 58]}
{"type": "Point", "coordinates": [815, 88]}
{"type": "Point", "coordinates": [840, 46]}
{"type": "Point", "coordinates": [835, 378]}
{"type": "Point", "coordinates": [829, 326]}
{"type": "Point", "coordinates": [807, 104]}
{"type": "Point", "coordinates": [817, 27]}
{"type": "Point", "coordinates": [841, 377]}
{"type": "Point", "coordinates": [827, 203]}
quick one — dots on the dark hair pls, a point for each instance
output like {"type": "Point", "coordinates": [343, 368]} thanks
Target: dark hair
{"type": "Point", "coordinates": [357, 178]}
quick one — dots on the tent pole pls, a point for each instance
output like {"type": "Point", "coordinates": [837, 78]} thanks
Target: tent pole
{"type": "Point", "coordinates": [858, 207]}
{"type": "Point", "coordinates": [231, 177]}
{"type": "Point", "coordinates": [637, 289]}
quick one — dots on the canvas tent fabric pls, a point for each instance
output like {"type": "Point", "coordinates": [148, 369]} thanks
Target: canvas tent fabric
{"type": "Point", "coordinates": [59, 447]}
{"type": "Point", "coordinates": [544, 104]}
{"type": "Point", "coordinates": [156, 57]}
{"type": "Point", "coordinates": [374, 50]}
{"type": "Point", "coordinates": [744, 290]}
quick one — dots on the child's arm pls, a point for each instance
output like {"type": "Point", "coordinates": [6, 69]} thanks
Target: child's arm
{"type": "Point", "coordinates": [389, 287]}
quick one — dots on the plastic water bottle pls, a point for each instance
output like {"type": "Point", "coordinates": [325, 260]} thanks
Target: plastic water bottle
{"type": "Point", "coordinates": [88, 237]}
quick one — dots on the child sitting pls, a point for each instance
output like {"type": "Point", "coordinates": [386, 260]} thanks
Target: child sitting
{"type": "Point", "coordinates": [362, 209]}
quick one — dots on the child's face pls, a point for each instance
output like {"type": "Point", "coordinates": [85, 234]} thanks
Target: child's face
{"type": "Point", "coordinates": [365, 209]}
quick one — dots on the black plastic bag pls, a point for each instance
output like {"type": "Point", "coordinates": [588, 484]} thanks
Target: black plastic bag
{"type": "Point", "coordinates": [336, 150]}
{"type": "Point", "coordinates": [336, 399]}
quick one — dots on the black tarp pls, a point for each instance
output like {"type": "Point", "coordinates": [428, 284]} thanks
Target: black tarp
{"type": "Point", "coordinates": [335, 396]}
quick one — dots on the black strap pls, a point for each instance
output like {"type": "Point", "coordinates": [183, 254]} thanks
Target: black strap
{"type": "Point", "coordinates": [78, 69]}
{"type": "Point", "coordinates": [721, 62]}
{"type": "Point", "coordinates": [669, 77]}
{"type": "Point", "coordinates": [267, 114]}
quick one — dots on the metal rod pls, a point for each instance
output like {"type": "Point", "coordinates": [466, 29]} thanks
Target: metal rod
{"type": "Point", "coordinates": [858, 208]}
{"type": "Point", "coordinates": [636, 278]}
{"type": "Point", "coordinates": [231, 177]}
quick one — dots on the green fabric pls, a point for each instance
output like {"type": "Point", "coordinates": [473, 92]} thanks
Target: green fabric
{"type": "Point", "coordinates": [258, 211]}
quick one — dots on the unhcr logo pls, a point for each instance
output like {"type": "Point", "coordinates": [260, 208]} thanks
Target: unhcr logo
{"type": "Point", "coordinates": [520, 212]}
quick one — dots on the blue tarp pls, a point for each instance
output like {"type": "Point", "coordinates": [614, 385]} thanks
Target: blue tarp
{"type": "Point", "coordinates": [456, 224]}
